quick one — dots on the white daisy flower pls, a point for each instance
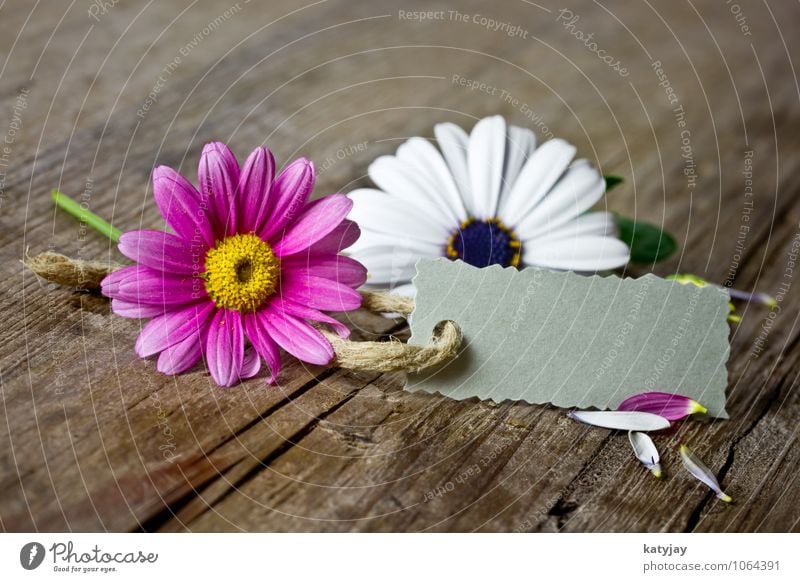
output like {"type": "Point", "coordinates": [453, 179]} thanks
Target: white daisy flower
{"type": "Point", "coordinates": [491, 197]}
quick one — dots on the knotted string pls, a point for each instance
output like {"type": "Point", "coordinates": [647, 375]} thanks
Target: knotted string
{"type": "Point", "coordinates": [385, 356]}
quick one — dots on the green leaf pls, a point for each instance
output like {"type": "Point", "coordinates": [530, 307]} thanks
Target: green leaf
{"type": "Point", "coordinates": [648, 243]}
{"type": "Point", "coordinates": [613, 181]}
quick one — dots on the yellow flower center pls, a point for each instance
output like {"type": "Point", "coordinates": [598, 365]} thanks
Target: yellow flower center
{"type": "Point", "coordinates": [241, 272]}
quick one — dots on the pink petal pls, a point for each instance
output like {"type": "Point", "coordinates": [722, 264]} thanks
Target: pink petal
{"type": "Point", "coordinates": [225, 347]}
{"type": "Point", "coordinates": [253, 193]}
{"type": "Point", "coordinates": [169, 329]}
{"type": "Point", "coordinates": [295, 336]}
{"type": "Point", "coordinates": [319, 293]}
{"type": "Point", "coordinates": [345, 270]}
{"type": "Point", "coordinates": [218, 174]}
{"type": "Point", "coordinates": [318, 220]}
{"type": "Point", "coordinates": [288, 198]}
{"type": "Point", "coordinates": [136, 310]}
{"type": "Point", "coordinates": [304, 312]}
{"type": "Point", "coordinates": [180, 205]}
{"type": "Point", "coordinates": [251, 364]}
{"type": "Point", "coordinates": [670, 406]}
{"type": "Point", "coordinates": [263, 344]}
{"type": "Point", "coordinates": [138, 284]}
{"type": "Point", "coordinates": [163, 251]}
{"type": "Point", "coordinates": [341, 237]}
{"type": "Point", "coordinates": [181, 356]}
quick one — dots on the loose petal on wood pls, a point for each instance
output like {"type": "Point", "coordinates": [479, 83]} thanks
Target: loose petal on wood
{"type": "Point", "coordinates": [702, 473]}
{"type": "Point", "coordinates": [619, 420]}
{"type": "Point", "coordinates": [646, 451]}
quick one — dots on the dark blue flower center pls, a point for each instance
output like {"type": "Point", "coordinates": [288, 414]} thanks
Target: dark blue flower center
{"type": "Point", "coordinates": [485, 242]}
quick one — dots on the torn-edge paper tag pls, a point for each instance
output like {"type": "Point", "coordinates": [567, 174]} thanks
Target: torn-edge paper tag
{"type": "Point", "coordinates": [571, 340]}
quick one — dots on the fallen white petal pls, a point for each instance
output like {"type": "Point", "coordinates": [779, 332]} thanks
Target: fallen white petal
{"type": "Point", "coordinates": [646, 451]}
{"type": "Point", "coordinates": [702, 473]}
{"type": "Point", "coordinates": [621, 420]}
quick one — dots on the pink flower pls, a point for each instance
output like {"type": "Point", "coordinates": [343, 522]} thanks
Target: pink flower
{"type": "Point", "coordinates": [250, 264]}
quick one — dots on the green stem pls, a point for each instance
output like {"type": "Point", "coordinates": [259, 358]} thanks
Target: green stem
{"type": "Point", "coordinates": [72, 208]}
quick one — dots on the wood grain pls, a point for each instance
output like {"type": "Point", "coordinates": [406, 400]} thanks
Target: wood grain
{"type": "Point", "coordinates": [95, 439]}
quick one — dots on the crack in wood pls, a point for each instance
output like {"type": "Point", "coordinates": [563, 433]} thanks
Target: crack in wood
{"type": "Point", "coordinates": [695, 517]}
{"type": "Point", "coordinates": [284, 448]}
{"type": "Point", "coordinates": [157, 520]}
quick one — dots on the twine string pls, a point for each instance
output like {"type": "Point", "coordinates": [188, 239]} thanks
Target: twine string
{"type": "Point", "coordinates": [386, 356]}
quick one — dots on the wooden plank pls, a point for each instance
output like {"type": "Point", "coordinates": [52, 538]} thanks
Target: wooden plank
{"type": "Point", "coordinates": [95, 439]}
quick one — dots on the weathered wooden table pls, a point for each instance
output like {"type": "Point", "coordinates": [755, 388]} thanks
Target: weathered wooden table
{"type": "Point", "coordinates": [695, 103]}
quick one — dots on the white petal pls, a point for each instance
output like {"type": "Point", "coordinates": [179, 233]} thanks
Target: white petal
{"type": "Point", "coordinates": [621, 420]}
{"type": "Point", "coordinates": [544, 167]}
{"type": "Point", "coordinates": [520, 144]}
{"type": "Point", "coordinates": [405, 182]}
{"type": "Point", "coordinates": [421, 154]}
{"type": "Point", "coordinates": [387, 265]}
{"type": "Point", "coordinates": [702, 473]}
{"type": "Point", "coordinates": [585, 253]}
{"type": "Point", "coordinates": [590, 224]}
{"type": "Point", "coordinates": [454, 143]}
{"type": "Point", "coordinates": [577, 191]}
{"type": "Point", "coordinates": [378, 211]}
{"type": "Point", "coordinates": [646, 451]}
{"type": "Point", "coordinates": [407, 290]}
{"type": "Point", "coordinates": [487, 149]}
{"type": "Point", "coordinates": [370, 238]}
